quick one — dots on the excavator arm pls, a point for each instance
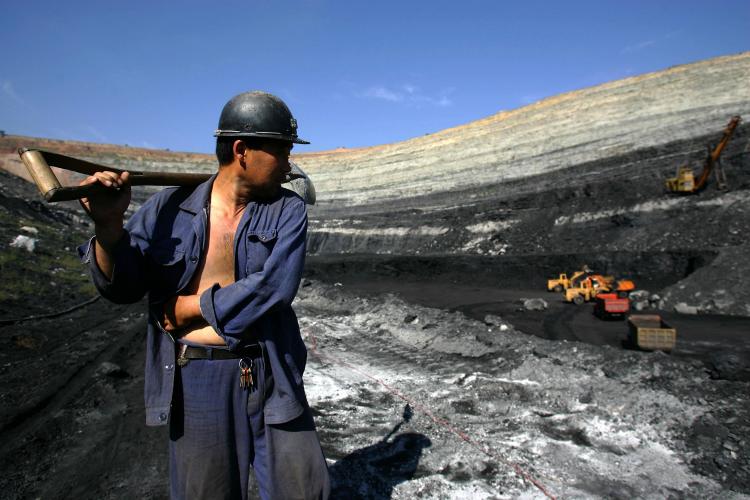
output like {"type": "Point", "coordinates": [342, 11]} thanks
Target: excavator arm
{"type": "Point", "coordinates": [714, 155]}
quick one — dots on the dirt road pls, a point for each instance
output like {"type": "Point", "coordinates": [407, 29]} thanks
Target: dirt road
{"type": "Point", "coordinates": [699, 336]}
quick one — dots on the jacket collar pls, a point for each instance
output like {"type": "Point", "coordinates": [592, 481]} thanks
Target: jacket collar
{"type": "Point", "coordinates": [199, 198]}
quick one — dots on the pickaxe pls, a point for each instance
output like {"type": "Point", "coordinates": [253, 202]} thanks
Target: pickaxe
{"type": "Point", "coordinates": [38, 164]}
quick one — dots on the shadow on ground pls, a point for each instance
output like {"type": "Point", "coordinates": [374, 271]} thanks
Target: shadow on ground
{"type": "Point", "coordinates": [372, 472]}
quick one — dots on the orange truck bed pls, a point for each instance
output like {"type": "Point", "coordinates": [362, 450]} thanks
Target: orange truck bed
{"type": "Point", "coordinates": [611, 305]}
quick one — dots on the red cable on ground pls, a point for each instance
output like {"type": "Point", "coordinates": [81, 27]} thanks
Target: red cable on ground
{"type": "Point", "coordinates": [438, 420]}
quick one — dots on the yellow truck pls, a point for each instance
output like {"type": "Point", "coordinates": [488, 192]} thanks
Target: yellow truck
{"type": "Point", "coordinates": [649, 332]}
{"type": "Point", "coordinates": [562, 282]}
{"type": "Point", "coordinates": [585, 291]}
{"type": "Point", "coordinates": [593, 285]}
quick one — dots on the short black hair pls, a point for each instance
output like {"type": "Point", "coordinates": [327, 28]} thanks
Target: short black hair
{"type": "Point", "coordinates": [224, 144]}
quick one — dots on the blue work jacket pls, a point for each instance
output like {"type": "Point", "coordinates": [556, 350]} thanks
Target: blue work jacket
{"type": "Point", "coordinates": [159, 254]}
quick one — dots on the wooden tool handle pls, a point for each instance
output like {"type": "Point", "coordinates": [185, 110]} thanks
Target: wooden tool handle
{"type": "Point", "coordinates": [38, 164]}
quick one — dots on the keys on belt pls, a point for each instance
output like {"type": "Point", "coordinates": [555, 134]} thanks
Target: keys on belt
{"type": "Point", "coordinates": [246, 373]}
{"type": "Point", "coordinates": [186, 353]}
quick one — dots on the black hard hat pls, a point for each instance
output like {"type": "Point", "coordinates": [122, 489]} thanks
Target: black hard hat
{"type": "Point", "coordinates": [258, 114]}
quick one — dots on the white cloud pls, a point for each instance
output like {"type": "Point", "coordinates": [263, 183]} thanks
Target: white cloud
{"type": "Point", "coordinates": [383, 93]}
{"type": "Point", "coordinates": [444, 101]}
{"type": "Point", "coordinates": [650, 43]}
{"type": "Point", "coordinates": [407, 94]}
{"type": "Point", "coordinates": [637, 47]}
{"type": "Point", "coordinates": [9, 91]}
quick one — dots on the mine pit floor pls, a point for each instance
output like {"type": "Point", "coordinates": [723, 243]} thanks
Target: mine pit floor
{"type": "Point", "coordinates": [699, 336]}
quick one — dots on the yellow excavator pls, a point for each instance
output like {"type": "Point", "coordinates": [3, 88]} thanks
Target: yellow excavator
{"type": "Point", "coordinates": [562, 282]}
{"type": "Point", "coordinates": [595, 284]}
{"type": "Point", "coordinates": [686, 182]}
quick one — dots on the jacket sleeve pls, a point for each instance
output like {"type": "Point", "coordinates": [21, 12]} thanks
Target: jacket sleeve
{"type": "Point", "coordinates": [129, 281]}
{"type": "Point", "coordinates": [232, 309]}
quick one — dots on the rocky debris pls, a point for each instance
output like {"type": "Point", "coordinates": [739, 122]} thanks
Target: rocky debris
{"type": "Point", "coordinates": [641, 300]}
{"type": "Point", "coordinates": [718, 288]}
{"type": "Point", "coordinates": [535, 304]}
{"type": "Point", "coordinates": [496, 321]}
{"type": "Point", "coordinates": [639, 306]}
{"type": "Point", "coordinates": [25, 242]}
{"type": "Point", "coordinates": [683, 308]}
{"type": "Point", "coordinates": [726, 365]}
{"type": "Point", "coordinates": [411, 319]}
{"type": "Point", "coordinates": [109, 369]}
{"type": "Point", "coordinates": [585, 421]}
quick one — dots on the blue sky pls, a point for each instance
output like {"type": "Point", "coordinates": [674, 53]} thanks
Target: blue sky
{"type": "Point", "coordinates": [156, 74]}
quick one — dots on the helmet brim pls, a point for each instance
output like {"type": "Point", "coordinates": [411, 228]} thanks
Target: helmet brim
{"type": "Point", "coordinates": [265, 135]}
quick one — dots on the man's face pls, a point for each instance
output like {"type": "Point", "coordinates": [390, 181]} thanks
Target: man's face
{"type": "Point", "coordinates": [269, 166]}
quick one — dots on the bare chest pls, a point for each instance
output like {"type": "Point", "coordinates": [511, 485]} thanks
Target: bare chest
{"type": "Point", "coordinates": [217, 265]}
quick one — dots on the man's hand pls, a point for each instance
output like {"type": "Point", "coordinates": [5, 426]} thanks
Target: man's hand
{"type": "Point", "coordinates": [107, 210]}
{"type": "Point", "coordinates": [108, 206]}
{"type": "Point", "coordinates": [181, 311]}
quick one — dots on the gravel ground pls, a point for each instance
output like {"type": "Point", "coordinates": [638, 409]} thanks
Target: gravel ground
{"type": "Point", "coordinates": [465, 409]}
{"type": "Point", "coordinates": [410, 401]}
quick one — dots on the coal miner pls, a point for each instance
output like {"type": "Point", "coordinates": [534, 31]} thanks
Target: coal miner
{"type": "Point", "coordinates": [221, 264]}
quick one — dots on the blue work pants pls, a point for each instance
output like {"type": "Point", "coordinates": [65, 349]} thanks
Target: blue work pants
{"type": "Point", "coordinates": [218, 433]}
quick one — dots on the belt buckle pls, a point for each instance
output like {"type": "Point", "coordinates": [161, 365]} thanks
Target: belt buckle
{"type": "Point", "coordinates": [182, 361]}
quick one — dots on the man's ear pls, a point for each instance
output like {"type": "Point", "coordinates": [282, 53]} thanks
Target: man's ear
{"type": "Point", "coordinates": [239, 149]}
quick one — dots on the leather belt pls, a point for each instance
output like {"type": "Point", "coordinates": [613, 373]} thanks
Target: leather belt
{"type": "Point", "coordinates": [196, 352]}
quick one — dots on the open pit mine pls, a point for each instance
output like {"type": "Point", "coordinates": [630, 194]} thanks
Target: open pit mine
{"type": "Point", "coordinates": [440, 363]}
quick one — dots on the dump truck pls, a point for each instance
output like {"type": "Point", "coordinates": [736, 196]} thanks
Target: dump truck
{"type": "Point", "coordinates": [562, 282]}
{"type": "Point", "coordinates": [685, 182]}
{"type": "Point", "coordinates": [611, 305]}
{"type": "Point", "coordinates": [649, 332]}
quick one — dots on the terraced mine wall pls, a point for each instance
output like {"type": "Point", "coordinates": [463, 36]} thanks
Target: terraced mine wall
{"type": "Point", "coordinates": [575, 178]}
{"type": "Point", "coordinates": [554, 134]}
{"type": "Point", "coordinates": [579, 209]}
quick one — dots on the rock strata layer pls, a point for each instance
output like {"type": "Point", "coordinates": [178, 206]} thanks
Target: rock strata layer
{"type": "Point", "coordinates": [570, 180]}
{"type": "Point", "coordinates": [554, 134]}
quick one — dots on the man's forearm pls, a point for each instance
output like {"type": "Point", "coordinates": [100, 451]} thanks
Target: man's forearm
{"type": "Point", "coordinates": [188, 309]}
{"type": "Point", "coordinates": [181, 311]}
{"type": "Point", "coordinates": [107, 238]}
